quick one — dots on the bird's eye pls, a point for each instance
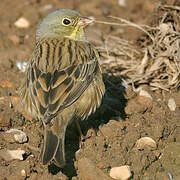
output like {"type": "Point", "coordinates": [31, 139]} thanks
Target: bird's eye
{"type": "Point", "coordinates": [66, 21]}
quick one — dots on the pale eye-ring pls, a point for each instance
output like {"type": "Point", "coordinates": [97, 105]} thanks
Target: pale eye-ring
{"type": "Point", "coordinates": [66, 21]}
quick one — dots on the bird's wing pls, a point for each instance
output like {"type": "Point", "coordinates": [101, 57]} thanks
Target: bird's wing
{"type": "Point", "coordinates": [51, 92]}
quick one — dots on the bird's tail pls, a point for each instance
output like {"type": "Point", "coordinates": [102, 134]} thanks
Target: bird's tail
{"type": "Point", "coordinates": [53, 148]}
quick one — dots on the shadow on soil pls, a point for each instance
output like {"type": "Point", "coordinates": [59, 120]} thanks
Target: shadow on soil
{"type": "Point", "coordinates": [112, 107]}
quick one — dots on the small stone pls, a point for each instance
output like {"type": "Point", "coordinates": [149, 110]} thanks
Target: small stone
{"type": "Point", "coordinates": [18, 135]}
{"type": "Point", "coordinates": [20, 138]}
{"type": "Point", "coordinates": [122, 3]}
{"type": "Point", "coordinates": [145, 94]}
{"type": "Point", "coordinates": [9, 155]}
{"type": "Point", "coordinates": [23, 173]}
{"type": "Point", "coordinates": [21, 65]}
{"type": "Point", "coordinates": [171, 104]}
{"type": "Point", "coordinates": [22, 23]}
{"type": "Point", "coordinates": [122, 172]}
{"type": "Point", "coordinates": [170, 176]}
{"type": "Point", "coordinates": [145, 142]}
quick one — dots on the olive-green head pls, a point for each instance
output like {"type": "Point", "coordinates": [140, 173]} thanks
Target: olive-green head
{"type": "Point", "coordinates": [63, 23]}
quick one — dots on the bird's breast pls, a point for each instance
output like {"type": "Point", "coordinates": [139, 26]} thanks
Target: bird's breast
{"type": "Point", "coordinates": [91, 98]}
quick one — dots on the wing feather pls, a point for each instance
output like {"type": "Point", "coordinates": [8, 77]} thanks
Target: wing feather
{"type": "Point", "coordinates": [51, 92]}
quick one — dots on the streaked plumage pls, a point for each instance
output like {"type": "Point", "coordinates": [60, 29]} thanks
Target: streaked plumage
{"type": "Point", "coordinates": [63, 80]}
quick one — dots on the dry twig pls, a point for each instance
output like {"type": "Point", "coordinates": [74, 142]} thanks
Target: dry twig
{"type": "Point", "coordinates": [158, 64]}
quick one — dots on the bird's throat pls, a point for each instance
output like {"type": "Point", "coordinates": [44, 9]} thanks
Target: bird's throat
{"type": "Point", "coordinates": [77, 34]}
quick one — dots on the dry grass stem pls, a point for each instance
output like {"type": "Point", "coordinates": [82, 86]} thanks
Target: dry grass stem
{"type": "Point", "coordinates": [158, 64]}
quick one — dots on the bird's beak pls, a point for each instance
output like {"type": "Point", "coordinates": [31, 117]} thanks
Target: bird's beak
{"type": "Point", "coordinates": [84, 21]}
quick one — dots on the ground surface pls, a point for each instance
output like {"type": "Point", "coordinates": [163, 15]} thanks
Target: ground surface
{"type": "Point", "coordinates": [112, 133]}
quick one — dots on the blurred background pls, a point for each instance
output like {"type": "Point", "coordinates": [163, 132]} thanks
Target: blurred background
{"type": "Point", "coordinates": [34, 10]}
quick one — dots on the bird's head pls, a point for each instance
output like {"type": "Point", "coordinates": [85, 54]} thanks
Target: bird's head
{"type": "Point", "coordinates": [63, 23]}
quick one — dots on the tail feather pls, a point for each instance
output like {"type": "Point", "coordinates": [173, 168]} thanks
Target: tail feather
{"type": "Point", "coordinates": [53, 149]}
{"type": "Point", "coordinates": [59, 156]}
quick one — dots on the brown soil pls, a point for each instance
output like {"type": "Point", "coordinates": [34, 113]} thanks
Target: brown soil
{"type": "Point", "coordinates": [112, 133]}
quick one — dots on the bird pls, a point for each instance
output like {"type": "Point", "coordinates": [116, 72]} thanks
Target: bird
{"type": "Point", "coordinates": [63, 79]}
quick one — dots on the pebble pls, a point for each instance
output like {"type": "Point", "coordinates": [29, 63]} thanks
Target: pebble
{"type": "Point", "coordinates": [21, 65]}
{"type": "Point", "coordinates": [145, 99]}
{"type": "Point", "coordinates": [145, 142]}
{"type": "Point", "coordinates": [9, 155]}
{"type": "Point", "coordinates": [18, 135]}
{"type": "Point", "coordinates": [145, 94]}
{"type": "Point", "coordinates": [23, 173]}
{"type": "Point", "coordinates": [122, 3]}
{"type": "Point", "coordinates": [22, 23]}
{"type": "Point", "coordinates": [172, 104]}
{"type": "Point", "coordinates": [170, 176]}
{"type": "Point", "coordinates": [121, 173]}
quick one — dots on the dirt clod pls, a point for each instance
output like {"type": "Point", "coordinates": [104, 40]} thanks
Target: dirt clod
{"type": "Point", "coordinates": [88, 171]}
{"type": "Point", "coordinates": [9, 155]}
